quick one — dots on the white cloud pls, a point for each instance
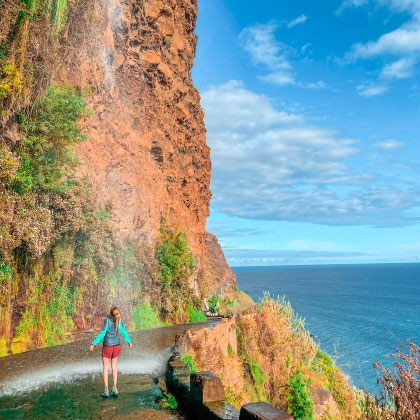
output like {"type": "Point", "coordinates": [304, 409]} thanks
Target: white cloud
{"type": "Point", "coordinates": [371, 90]}
{"type": "Point", "coordinates": [247, 256]}
{"type": "Point", "coordinates": [260, 42]}
{"type": "Point", "coordinates": [398, 42]}
{"type": "Point", "coordinates": [351, 3]}
{"type": "Point", "coordinates": [400, 69]}
{"type": "Point", "coordinates": [311, 245]}
{"type": "Point", "coordinates": [305, 47]}
{"type": "Point", "coordinates": [320, 84]}
{"type": "Point", "coordinates": [411, 6]}
{"type": "Point", "coordinates": [270, 164]}
{"type": "Point", "coordinates": [245, 110]}
{"type": "Point", "coordinates": [297, 21]}
{"type": "Point", "coordinates": [390, 144]}
{"type": "Point", "coordinates": [403, 41]}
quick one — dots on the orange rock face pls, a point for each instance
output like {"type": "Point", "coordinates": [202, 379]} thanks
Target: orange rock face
{"type": "Point", "coordinates": [146, 148]}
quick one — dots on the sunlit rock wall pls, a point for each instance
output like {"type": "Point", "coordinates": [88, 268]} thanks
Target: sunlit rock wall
{"type": "Point", "coordinates": [146, 148]}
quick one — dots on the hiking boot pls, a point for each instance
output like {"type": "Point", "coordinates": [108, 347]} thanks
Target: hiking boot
{"type": "Point", "coordinates": [105, 394]}
{"type": "Point", "coordinates": [114, 391]}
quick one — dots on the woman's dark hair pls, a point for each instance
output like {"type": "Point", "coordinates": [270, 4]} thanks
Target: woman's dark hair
{"type": "Point", "coordinates": [114, 311]}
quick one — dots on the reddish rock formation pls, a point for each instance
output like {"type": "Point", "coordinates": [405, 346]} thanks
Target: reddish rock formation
{"type": "Point", "coordinates": [146, 148]}
{"type": "Point", "coordinates": [216, 263]}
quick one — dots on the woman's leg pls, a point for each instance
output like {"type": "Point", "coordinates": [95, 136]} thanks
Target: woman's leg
{"type": "Point", "coordinates": [114, 370]}
{"type": "Point", "coordinates": [105, 361]}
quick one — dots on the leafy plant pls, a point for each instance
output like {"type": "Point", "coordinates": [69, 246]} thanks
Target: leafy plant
{"type": "Point", "coordinates": [231, 353]}
{"type": "Point", "coordinates": [177, 265]}
{"type": "Point", "coordinates": [5, 270]}
{"type": "Point", "coordinates": [300, 404]}
{"type": "Point", "coordinates": [10, 80]}
{"type": "Point", "coordinates": [214, 302]}
{"type": "Point", "coordinates": [145, 317]}
{"type": "Point", "coordinates": [188, 359]}
{"type": "Point", "coordinates": [46, 152]}
{"type": "Point", "coordinates": [258, 377]}
{"type": "Point", "coordinates": [59, 14]}
{"type": "Point", "coordinates": [194, 315]}
{"type": "Point", "coordinates": [169, 402]}
{"type": "Point", "coordinates": [232, 397]}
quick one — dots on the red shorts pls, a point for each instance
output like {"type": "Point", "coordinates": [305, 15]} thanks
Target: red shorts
{"type": "Point", "coordinates": [111, 352]}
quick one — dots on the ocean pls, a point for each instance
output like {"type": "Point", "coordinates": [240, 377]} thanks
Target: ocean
{"type": "Point", "coordinates": [358, 313]}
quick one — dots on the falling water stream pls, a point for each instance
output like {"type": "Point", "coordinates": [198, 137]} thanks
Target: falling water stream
{"type": "Point", "coordinates": [66, 381]}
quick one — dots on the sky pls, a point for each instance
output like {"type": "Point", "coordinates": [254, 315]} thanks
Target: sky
{"type": "Point", "coordinates": [312, 113]}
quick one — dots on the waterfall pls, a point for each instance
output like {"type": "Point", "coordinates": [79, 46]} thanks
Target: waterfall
{"type": "Point", "coordinates": [114, 26]}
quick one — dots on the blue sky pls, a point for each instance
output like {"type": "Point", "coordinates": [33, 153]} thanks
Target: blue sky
{"type": "Point", "coordinates": [312, 113]}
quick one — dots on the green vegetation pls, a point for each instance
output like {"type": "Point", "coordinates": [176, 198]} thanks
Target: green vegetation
{"type": "Point", "coordinates": [231, 353]}
{"type": "Point", "coordinates": [58, 14]}
{"type": "Point", "coordinates": [232, 397]}
{"type": "Point", "coordinates": [5, 271]}
{"type": "Point", "coordinates": [169, 402]}
{"type": "Point", "coordinates": [145, 317]}
{"type": "Point", "coordinates": [259, 378]}
{"type": "Point", "coordinates": [57, 246]}
{"type": "Point", "coordinates": [301, 406]}
{"type": "Point", "coordinates": [46, 150]}
{"type": "Point", "coordinates": [29, 51]}
{"type": "Point", "coordinates": [11, 83]}
{"type": "Point", "coordinates": [214, 302]}
{"type": "Point", "coordinates": [332, 378]}
{"type": "Point", "coordinates": [188, 359]}
{"type": "Point", "coordinates": [194, 315]}
{"type": "Point", "coordinates": [54, 314]}
{"type": "Point", "coordinates": [176, 263]}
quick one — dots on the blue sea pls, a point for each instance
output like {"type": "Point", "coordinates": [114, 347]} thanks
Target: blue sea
{"type": "Point", "coordinates": [358, 313]}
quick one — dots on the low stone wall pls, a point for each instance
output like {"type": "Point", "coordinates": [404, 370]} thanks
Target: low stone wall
{"type": "Point", "coordinates": [200, 395]}
{"type": "Point", "coordinates": [214, 349]}
{"type": "Point", "coordinates": [217, 339]}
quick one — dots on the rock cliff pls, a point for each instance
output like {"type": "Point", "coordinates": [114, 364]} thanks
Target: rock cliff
{"type": "Point", "coordinates": [145, 159]}
{"type": "Point", "coordinates": [146, 148]}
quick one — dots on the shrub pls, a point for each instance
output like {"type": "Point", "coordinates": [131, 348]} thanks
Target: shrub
{"type": "Point", "coordinates": [5, 270]}
{"type": "Point", "coordinates": [10, 80]}
{"type": "Point", "coordinates": [169, 402]}
{"type": "Point", "coordinates": [401, 384]}
{"type": "Point", "coordinates": [333, 380]}
{"type": "Point", "coordinates": [46, 152]}
{"type": "Point", "coordinates": [258, 377]}
{"type": "Point", "coordinates": [188, 359]}
{"type": "Point", "coordinates": [214, 302]}
{"type": "Point", "coordinates": [177, 265]}
{"type": "Point", "coordinates": [145, 317]}
{"type": "Point", "coordinates": [301, 406]}
{"type": "Point", "coordinates": [59, 14]}
{"type": "Point", "coordinates": [194, 315]}
{"type": "Point", "coordinates": [230, 350]}
{"type": "Point", "coordinates": [232, 397]}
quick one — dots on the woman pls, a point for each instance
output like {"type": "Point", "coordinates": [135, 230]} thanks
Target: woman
{"type": "Point", "coordinates": [111, 326]}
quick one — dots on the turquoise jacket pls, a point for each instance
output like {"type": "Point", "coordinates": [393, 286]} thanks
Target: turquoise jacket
{"type": "Point", "coordinates": [109, 333]}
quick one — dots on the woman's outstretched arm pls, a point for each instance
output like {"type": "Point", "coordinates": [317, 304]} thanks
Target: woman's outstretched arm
{"type": "Point", "coordinates": [101, 335]}
{"type": "Point", "coordinates": [124, 333]}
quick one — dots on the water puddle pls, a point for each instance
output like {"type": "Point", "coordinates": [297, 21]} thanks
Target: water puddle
{"type": "Point", "coordinates": [80, 399]}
